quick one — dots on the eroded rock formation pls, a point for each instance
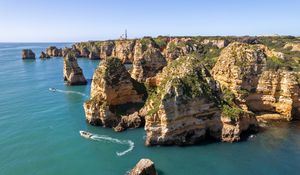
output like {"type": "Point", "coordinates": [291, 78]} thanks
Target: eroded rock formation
{"type": "Point", "coordinates": [220, 43]}
{"type": "Point", "coordinates": [72, 72]}
{"type": "Point", "coordinates": [186, 107]}
{"type": "Point", "coordinates": [148, 60]}
{"type": "Point", "coordinates": [28, 54]}
{"type": "Point", "coordinates": [242, 68]}
{"type": "Point", "coordinates": [115, 96]}
{"type": "Point", "coordinates": [144, 167]}
{"type": "Point", "coordinates": [124, 50]}
{"type": "Point", "coordinates": [293, 46]}
{"type": "Point", "coordinates": [43, 55]}
{"type": "Point", "coordinates": [53, 51]}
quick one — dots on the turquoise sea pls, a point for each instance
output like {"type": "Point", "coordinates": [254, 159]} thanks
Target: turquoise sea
{"type": "Point", "coordinates": [39, 131]}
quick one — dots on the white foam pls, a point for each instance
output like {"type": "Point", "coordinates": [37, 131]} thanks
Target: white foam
{"type": "Point", "coordinates": [67, 92]}
{"type": "Point", "coordinates": [117, 141]}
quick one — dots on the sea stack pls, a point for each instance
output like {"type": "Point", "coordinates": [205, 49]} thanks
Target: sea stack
{"type": "Point", "coordinates": [72, 72]}
{"type": "Point", "coordinates": [144, 167]}
{"type": "Point", "coordinates": [28, 54]}
{"type": "Point", "coordinates": [53, 51]}
{"type": "Point", "coordinates": [115, 96]}
{"type": "Point", "coordinates": [44, 55]}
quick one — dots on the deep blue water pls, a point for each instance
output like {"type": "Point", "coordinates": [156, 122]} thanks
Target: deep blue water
{"type": "Point", "coordinates": [39, 131]}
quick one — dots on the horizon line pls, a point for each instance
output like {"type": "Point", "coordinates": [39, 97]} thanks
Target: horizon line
{"type": "Point", "coordinates": [89, 40]}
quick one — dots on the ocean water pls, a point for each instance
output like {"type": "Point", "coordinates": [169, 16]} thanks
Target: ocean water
{"type": "Point", "coordinates": [40, 131]}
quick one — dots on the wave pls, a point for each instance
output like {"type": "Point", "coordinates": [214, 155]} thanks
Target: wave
{"type": "Point", "coordinates": [117, 141]}
{"type": "Point", "coordinates": [67, 92]}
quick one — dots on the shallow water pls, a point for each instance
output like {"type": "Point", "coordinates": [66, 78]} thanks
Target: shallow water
{"type": "Point", "coordinates": [40, 131]}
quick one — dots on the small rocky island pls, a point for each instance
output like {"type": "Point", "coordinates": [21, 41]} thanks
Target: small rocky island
{"type": "Point", "coordinates": [144, 167]}
{"type": "Point", "coordinates": [72, 72]}
{"type": "Point", "coordinates": [28, 54]}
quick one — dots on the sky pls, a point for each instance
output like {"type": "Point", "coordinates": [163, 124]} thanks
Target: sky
{"type": "Point", "coordinates": [82, 20]}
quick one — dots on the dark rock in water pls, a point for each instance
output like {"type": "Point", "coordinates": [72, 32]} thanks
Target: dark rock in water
{"type": "Point", "coordinates": [28, 54]}
{"type": "Point", "coordinates": [72, 72]}
{"type": "Point", "coordinates": [44, 55]}
{"type": "Point", "coordinates": [144, 167]}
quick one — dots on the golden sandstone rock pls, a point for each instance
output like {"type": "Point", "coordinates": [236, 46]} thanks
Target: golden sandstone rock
{"type": "Point", "coordinates": [113, 94]}
{"type": "Point", "coordinates": [242, 69]}
{"type": "Point", "coordinates": [72, 72]}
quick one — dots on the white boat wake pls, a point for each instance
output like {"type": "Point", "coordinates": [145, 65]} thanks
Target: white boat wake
{"type": "Point", "coordinates": [67, 92]}
{"type": "Point", "coordinates": [117, 141]}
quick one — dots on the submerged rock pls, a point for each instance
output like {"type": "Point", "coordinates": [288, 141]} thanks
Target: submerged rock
{"type": "Point", "coordinates": [28, 54]}
{"type": "Point", "coordinates": [113, 94]}
{"type": "Point", "coordinates": [144, 167]}
{"type": "Point", "coordinates": [72, 72]}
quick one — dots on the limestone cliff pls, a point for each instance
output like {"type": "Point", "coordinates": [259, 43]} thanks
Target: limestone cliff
{"type": "Point", "coordinates": [43, 55]}
{"type": "Point", "coordinates": [72, 72]}
{"type": "Point", "coordinates": [114, 94]}
{"type": "Point", "coordinates": [184, 107]}
{"type": "Point", "coordinates": [148, 60]}
{"type": "Point", "coordinates": [124, 50]}
{"type": "Point", "coordinates": [220, 43]}
{"type": "Point", "coordinates": [247, 71]}
{"type": "Point", "coordinates": [276, 92]}
{"type": "Point", "coordinates": [177, 47]}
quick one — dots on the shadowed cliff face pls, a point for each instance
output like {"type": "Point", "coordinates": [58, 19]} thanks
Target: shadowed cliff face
{"type": "Point", "coordinates": [243, 69]}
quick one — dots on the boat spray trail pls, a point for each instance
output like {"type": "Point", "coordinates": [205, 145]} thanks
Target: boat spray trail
{"type": "Point", "coordinates": [117, 141]}
{"type": "Point", "coordinates": [67, 92]}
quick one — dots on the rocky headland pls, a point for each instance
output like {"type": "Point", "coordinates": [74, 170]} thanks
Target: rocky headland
{"type": "Point", "coordinates": [186, 90]}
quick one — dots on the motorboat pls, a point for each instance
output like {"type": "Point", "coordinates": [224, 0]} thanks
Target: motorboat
{"type": "Point", "coordinates": [86, 134]}
{"type": "Point", "coordinates": [52, 89]}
